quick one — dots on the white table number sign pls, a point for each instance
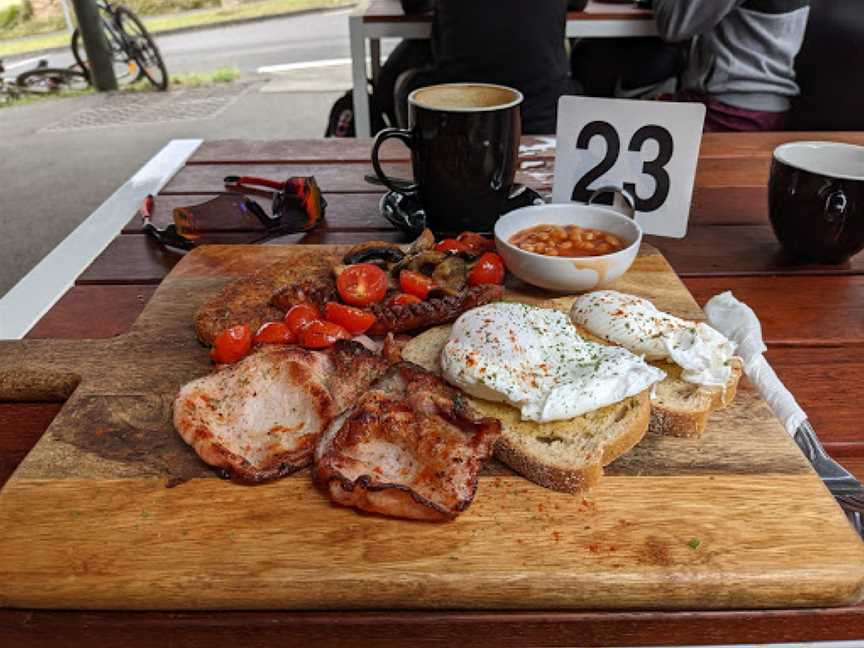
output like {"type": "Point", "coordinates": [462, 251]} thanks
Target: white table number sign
{"type": "Point", "coordinates": [649, 148]}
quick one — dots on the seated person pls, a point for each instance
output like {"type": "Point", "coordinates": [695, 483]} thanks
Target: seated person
{"type": "Point", "coordinates": [509, 42]}
{"type": "Point", "coordinates": [410, 54]}
{"type": "Point", "coordinates": [741, 59]}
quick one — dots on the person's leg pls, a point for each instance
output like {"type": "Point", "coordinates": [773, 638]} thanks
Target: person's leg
{"type": "Point", "coordinates": [723, 118]}
{"type": "Point", "coordinates": [595, 65]}
{"type": "Point", "coordinates": [407, 55]}
{"type": "Point", "coordinates": [609, 67]}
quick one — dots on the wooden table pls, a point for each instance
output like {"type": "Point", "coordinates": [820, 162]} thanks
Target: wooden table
{"type": "Point", "coordinates": [377, 19]}
{"type": "Point", "coordinates": [813, 319]}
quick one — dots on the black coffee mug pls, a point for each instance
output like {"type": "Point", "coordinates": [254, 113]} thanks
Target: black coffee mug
{"type": "Point", "coordinates": [816, 199]}
{"type": "Point", "coordinates": [464, 141]}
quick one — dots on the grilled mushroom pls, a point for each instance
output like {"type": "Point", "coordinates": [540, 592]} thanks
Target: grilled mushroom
{"type": "Point", "coordinates": [424, 262]}
{"type": "Point", "coordinates": [378, 253]}
{"type": "Point", "coordinates": [451, 275]}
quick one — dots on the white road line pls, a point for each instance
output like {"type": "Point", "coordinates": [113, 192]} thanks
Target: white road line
{"type": "Point", "coordinates": [39, 289]}
{"type": "Point", "coordinates": [338, 12]}
{"type": "Point", "coordinates": [303, 65]}
{"type": "Point", "coordinates": [22, 62]}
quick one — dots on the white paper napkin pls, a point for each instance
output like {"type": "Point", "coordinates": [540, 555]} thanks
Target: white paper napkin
{"type": "Point", "coordinates": [737, 321]}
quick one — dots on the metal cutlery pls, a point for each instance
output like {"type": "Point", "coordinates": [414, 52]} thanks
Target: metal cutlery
{"type": "Point", "coordinates": [847, 490]}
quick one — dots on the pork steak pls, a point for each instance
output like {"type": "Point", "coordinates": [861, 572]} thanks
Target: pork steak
{"type": "Point", "coordinates": [411, 447]}
{"type": "Point", "coordinates": [259, 419]}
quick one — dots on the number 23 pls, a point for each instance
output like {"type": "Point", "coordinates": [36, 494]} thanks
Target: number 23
{"type": "Point", "coordinates": [654, 168]}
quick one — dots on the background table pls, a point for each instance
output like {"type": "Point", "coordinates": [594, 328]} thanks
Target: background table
{"type": "Point", "coordinates": [813, 318]}
{"type": "Point", "coordinates": [379, 19]}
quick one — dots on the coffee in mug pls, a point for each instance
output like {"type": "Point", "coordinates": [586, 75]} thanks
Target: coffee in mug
{"type": "Point", "coordinates": [464, 141]}
{"type": "Point", "coordinates": [816, 199]}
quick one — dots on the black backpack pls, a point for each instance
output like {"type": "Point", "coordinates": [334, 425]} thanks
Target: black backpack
{"type": "Point", "coordinates": [340, 123]}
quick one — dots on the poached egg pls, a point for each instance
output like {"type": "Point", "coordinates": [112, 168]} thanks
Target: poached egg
{"type": "Point", "coordinates": [534, 359]}
{"type": "Point", "coordinates": [635, 323]}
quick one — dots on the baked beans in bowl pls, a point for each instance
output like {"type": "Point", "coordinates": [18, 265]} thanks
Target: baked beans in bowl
{"type": "Point", "coordinates": [567, 247]}
{"type": "Point", "coordinates": [567, 241]}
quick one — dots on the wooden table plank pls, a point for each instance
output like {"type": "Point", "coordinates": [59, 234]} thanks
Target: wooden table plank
{"type": "Point", "coordinates": [349, 176]}
{"type": "Point", "coordinates": [762, 145]}
{"type": "Point", "coordinates": [727, 191]}
{"type": "Point", "coordinates": [391, 11]}
{"type": "Point", "coordinates": [718, 251]}
{"type": "Point", "coordinates": [21, 426]}
{"type": "Point", "coordinates": [729, 206]}
{"type": "Point", "coordinates": [249, 151]}
{"type": "Point", "coordinates": [344, 177]}
{"type": "Point", "coordinates": [826, 383]}
{"type": "Point", "coordinates": [93, 312]}
{"type": "Point", "coordinates": [796, 310]}
{"type": "Point", "coordinates": [855, 465]}
{"type": "Point", "coordinates": [345, 629]}
{"type": "Point", "coordinates": [716, 206]}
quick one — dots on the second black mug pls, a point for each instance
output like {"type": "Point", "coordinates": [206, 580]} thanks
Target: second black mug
{"type": "Point", "coordinates": [464, 141]}
{"type": "Point", "coordinates": [816, 199]}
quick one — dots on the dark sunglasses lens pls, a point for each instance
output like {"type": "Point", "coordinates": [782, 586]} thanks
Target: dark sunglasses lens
{"type": "Point", "coordinates": [225, 213]}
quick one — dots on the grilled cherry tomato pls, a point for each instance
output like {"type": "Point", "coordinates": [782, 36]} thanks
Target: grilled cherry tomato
{"type": "Point", "coordinates": [299, 316]}
{"type": "Point", "coordinates": [275, 333]}
{"type": "Point", "coordinates": [476, 243]}
{"type": "Point", "coordinates": [450, 246]}
{"type": "Point", "coordinates": [362, 284]}
{"type": "Point", "coordinates": [353, 320]}
{"type": "Point", "coordinates": [415, 283]}
{"type": "Point", "coordinates": [489, 269]}
{"type": "Point", "coordinates": [320, 334]}
{"type": "Point", "coordinates": [401, 299]}
{"type": "Point", "coordinates": [231, 344]}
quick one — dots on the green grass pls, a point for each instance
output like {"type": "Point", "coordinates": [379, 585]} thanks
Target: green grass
{"type": "Point", "coordinates": [222, 75]}
{"type": "Point", "coordinates": [25, 99]}
{"type": "Point", "coordinates": [155, 24]}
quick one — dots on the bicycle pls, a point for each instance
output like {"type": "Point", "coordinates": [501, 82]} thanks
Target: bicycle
{"type": "Point", "coordinates": [40, 80]}
{"type": "Point", "coordinates": [133, 51]}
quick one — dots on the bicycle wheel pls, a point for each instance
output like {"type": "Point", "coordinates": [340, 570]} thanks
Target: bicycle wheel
{"type": "Point", "coordinates": [142, 48]}
{"type": "Point", "coordinates": [78, 52]}
{"type": "Point", "coordinates": [125, 69]}
{"type": "Point", "coordinates": [48, 80]}
{"type": "Point", "coordinates": [8, 92]}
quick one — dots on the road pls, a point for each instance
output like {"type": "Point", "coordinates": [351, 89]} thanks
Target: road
{"type": "Point", "coordinates": [291, 39]}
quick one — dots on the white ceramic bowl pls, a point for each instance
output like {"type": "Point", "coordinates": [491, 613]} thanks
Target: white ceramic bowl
{"type": "Point", "coordinates": [568, 274]}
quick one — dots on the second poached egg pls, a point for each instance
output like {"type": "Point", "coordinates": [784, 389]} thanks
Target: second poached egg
{"type": "Point", "coordinates": [638, 325]}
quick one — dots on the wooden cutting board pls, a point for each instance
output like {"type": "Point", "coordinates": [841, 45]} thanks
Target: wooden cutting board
{"type": "Point", "coordinates": [112, 510]}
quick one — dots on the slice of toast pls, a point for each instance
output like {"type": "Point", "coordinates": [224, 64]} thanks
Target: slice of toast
{"type": "Point", "coordinates": [562, 455]}
{"type": "Point", "coordinates": [680, 408]}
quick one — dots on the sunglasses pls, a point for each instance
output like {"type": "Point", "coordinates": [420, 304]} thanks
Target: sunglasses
{"type": "Point", "coordinates": [296, 205]}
